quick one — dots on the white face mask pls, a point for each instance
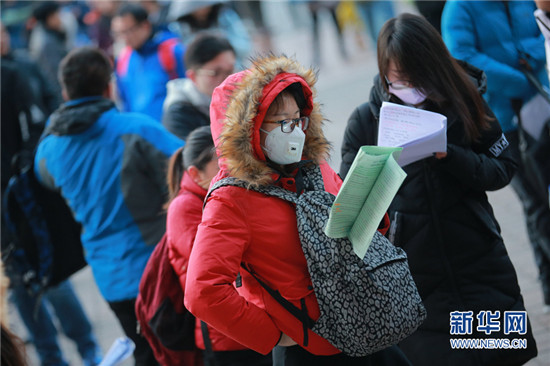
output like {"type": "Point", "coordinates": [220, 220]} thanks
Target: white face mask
{"type": "Point", "coordinates": [284, 148]}
{"type": "Point", "coordinates": [410, 96]}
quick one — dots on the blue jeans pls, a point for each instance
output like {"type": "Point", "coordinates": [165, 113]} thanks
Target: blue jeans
{"type": "Point", "coordinates": [374, 15]}
{"type": "Point", "coordinates": [37, 317]}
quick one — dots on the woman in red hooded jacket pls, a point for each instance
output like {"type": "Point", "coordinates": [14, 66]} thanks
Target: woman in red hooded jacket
{"type": "Point", "coordinates": [266, 126]}
{"type": "Point", "coordinates": [189, 174]}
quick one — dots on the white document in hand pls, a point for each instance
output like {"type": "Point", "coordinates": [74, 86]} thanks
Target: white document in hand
{"type": "Point", "coordinates": [420, 133]}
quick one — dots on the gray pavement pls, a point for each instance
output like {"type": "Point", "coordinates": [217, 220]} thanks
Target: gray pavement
{"type": "Point", "coordinates": [342, 86]}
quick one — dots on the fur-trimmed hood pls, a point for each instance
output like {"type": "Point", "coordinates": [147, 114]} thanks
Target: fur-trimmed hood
{"type": "Point", "coordinates": [239, 106]}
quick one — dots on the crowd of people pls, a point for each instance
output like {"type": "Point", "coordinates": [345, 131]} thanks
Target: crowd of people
{"type": "Point", "coordinates": [133, 110]}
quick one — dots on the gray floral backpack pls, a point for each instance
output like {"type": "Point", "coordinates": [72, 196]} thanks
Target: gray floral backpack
{"type": "Point", "coordinates": [365, 305]}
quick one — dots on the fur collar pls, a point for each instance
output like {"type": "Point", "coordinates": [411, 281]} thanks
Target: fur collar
{"type": "Point", "coordinates": [251, 93]}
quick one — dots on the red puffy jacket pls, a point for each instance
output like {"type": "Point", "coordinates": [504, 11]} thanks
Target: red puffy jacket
{"type": "Point", "coordinates": [242, 226]}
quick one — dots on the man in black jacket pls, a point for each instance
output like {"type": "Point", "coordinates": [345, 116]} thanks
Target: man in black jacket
{"type": "Point", "coordinates": [44, 98]}
{"type": "Point", "coordinates": [209, 59]}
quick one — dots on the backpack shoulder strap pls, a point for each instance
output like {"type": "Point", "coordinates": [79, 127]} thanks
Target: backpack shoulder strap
{"type": "Point", "coordinates": [269, 190]}
{"type": "Point", "coordinates": [167, 57]}
{"type": "Point", "coordinates": [300, 314]}
{"type": "Point", "coordinates": [313, 178]}
{"type": "Point", "coordinates": [311, 174]}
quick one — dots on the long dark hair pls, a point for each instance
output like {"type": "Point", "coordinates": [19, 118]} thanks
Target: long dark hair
{"type": "Point", "coordinates": [198, 151]}
{"type": "Point", "coordinates": [418, 51]}
{"type": "Point", "coordinates": [13, 353]}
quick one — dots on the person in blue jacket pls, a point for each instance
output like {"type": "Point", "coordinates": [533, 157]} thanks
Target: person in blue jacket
{"type": "Point", "coordinates": [109, 166]}
{"type": "Point", "coordinates": [499, 37]}
{"type": "Point", "coordinates": [147, 62]}
{"type": "Point", "coordinates": [39, 308]}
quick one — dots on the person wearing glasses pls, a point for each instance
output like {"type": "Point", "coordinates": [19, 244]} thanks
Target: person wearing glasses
{"type": "Point", "coordinates": [147, 61]}
{"type": "Point", "coordinates": [441, 216]}
{"type": "Point", "coordinates": [266, 127]}
{"type": "Point", "coordinates": [210, 58]}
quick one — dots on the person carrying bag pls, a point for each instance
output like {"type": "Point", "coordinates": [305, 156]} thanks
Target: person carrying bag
{"type": "Point", "coordinates": [268, 134]}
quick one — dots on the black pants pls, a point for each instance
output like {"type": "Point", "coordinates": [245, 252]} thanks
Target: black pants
{"type": "Point", "coordinates": [392, 356]}
{"type": "Point", "coordinates": [126, 314]}
{"type": "Point", "coordinates": [537, 216]}
{"type": "Point", "coordinates": [236, 358]}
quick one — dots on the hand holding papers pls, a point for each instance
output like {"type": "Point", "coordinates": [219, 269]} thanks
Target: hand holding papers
{"type": "Point", "coordinates": [365, 195]}
{"type": "Point", "coordinates": [419, 132]}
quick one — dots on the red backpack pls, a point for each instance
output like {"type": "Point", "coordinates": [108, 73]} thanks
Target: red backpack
{"type": "Point", "coordinates": [166, 57]}
{"type": "Point", "coordinates": [162, 318]}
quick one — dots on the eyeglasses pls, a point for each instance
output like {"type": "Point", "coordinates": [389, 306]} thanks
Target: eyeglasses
{"type": "Point", "coordinates": [125, 32]}
{"type": "Point", "coordinates": [398, 84]}
{"type": "Point", "coordinates": [215, 73]}
{"type": "Point", "coordinates": [288, 125]}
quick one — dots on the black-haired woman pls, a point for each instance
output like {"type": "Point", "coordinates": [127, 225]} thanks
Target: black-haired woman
{"type": "Point", "coordinates": [441, 216]}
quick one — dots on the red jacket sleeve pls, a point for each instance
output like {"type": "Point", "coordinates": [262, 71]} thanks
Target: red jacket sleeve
{"type": "Point", "coordinates": [183, 218]}
{"type": "Point", "coordinates": [332, 181]}
{"type": "Point", "coordinates": [215, 261]}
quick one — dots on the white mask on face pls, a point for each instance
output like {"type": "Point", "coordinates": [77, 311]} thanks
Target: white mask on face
{"type": "Point", "coordinates": [284, 148]}
{"type": "Point", "coordinates": [410, 96]}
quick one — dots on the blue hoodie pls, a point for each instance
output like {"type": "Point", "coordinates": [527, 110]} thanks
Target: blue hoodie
{"type": "Point", "coordinates": [142, 74]}
{"type": "Point", "coordinates": [110, 167]}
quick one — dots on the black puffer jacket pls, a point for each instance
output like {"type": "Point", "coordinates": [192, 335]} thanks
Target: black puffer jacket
{"type": "Point", "coordinates": [441, 217]}
{"type": "Point", "coordinates": [185, 108]}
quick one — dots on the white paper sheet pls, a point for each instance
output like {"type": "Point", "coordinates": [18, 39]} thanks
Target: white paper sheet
{"type": "Point", "coordinates": [421, 133]}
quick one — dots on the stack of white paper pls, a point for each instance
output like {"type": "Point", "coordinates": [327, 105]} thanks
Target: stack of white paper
{"type": "Point", "coordinates": [420, 133]}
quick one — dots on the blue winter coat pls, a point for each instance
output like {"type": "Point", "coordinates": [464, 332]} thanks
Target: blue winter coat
{"type": "Point", "coordinates": [142, 74]}
{"type": "Point", "coordinates": [481, 33]}
{"type": "Point", "coordinates": [110, 167]}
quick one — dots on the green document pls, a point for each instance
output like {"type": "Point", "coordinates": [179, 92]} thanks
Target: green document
{"type": "Point", "coordinates": [366, 194]}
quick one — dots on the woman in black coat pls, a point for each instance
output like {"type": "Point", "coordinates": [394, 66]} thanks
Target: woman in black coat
{"type": "Point", "coordinates": [441, 216]}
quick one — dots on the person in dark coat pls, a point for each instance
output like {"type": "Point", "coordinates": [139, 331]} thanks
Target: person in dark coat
{"type": "Point", "coordinates": [49, 42]}
{"type": "Point", "coordinates": [15, 114]}
{"type": "Point", "coordinates": [210, 58]}
{"type": "Point", "coordinates": [441, 215]}
{"type": "Point", "coordinates": [44, 98]}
